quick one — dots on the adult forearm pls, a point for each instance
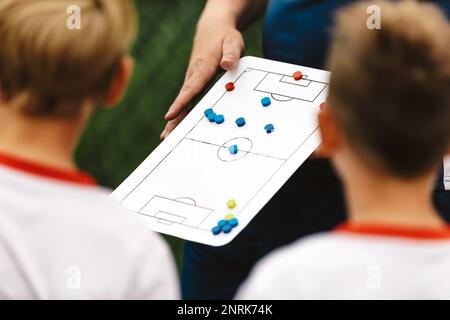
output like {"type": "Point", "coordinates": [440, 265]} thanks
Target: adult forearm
{"type": "Point", "coordinates": [218, 43]}
{"type": "Point", "coordinates": [238, 13]}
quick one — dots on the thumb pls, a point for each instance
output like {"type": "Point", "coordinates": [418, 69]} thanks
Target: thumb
{"type": "Point", "coordinates": [232, 48]}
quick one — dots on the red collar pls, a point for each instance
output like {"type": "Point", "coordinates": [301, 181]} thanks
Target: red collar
{"type": "Point", "coordinates": [30, 167]}
{"type": "Point", "coordinates": [393, 231]}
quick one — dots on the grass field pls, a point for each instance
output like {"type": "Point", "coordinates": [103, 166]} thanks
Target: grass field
{"type": "Point", "coordinates": [118, 140]}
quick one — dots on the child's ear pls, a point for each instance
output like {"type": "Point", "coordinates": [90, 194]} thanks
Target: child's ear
{"type": "Point", "coordinates": [330, 133]}
{"type": "Point", "coordinates": [120, 82]}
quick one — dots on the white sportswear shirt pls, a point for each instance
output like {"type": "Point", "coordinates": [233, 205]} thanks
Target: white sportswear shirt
{"type": "Point", "coordinates": [356, 263]}
{"type": "Point", "coordinates": [62, 238]}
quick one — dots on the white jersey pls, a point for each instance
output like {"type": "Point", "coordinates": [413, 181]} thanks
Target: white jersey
{"type": "Point", "coordinates": [61, 237]}
{"type": "Point", "coordinates": [356, 263]}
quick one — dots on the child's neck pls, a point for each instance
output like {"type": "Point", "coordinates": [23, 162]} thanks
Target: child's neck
{"type": "Point", "coordinates": [46, 141]}
{"type": "Point", "coordinates": [375, 199]}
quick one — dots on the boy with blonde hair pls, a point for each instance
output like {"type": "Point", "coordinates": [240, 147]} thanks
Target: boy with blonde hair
{"type": "Point", "coordinates": [60, 235]}
{"type": "Point", "coordinates": [387, 129]}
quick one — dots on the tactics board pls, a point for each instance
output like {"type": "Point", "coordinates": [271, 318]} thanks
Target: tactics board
{"type": "Point", "coordinates": [183, 187]}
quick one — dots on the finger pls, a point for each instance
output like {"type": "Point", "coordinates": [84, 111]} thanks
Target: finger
{"type": "Point", "coordinates": [232, 48]}
{"type": "Point", "coordinates": [191, 88]}
{"type": "Point", "coordinates": [171, 125]}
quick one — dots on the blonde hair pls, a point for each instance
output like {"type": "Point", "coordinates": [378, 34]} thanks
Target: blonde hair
{"type": "Point", "coordinates": [55, 69]}
{"type": "Point", "coordinates": [390, 88]}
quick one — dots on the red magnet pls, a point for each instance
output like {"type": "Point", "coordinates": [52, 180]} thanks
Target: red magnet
{"type": "Point", "coordinates": [229, 86]}
{"type": "Point", "coordinates": [298, 75]}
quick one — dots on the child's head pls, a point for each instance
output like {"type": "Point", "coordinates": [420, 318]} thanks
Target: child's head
{"type": "Point", "coordinates": [49, 69]}
{"type": "Point", "coordinates": [389, 100]}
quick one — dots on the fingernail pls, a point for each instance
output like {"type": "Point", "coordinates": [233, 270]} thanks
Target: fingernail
{"type": "Point", "coordinates": [169, 112]}
{"type": "Point", "coordinates": [226, 64]}
{"type": "Point", "coordinates": [229, 61]}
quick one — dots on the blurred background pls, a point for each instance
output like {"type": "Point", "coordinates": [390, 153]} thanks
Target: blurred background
{"type": "Point", "coordinates": [118, 140]}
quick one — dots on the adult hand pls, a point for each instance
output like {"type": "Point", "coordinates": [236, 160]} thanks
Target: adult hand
{"type": "Point", "coordinates": [217, 44]}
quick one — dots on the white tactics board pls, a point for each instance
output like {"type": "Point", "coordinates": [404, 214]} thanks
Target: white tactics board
{"type": "Point", "coordinates": [183, 187]}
